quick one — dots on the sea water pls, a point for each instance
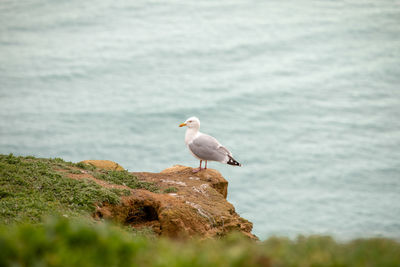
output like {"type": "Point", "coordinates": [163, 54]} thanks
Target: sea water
{"type": "Point", "coordinates": [306, 95]}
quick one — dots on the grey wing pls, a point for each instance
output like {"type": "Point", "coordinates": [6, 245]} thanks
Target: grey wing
{"type": "Point", "coordinates": [225, 150]}
{"type": "Point", "coordinates": [208, 148]}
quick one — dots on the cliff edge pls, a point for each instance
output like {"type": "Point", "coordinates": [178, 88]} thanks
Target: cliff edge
{"type": "Point", "coordinates": [193, 204]}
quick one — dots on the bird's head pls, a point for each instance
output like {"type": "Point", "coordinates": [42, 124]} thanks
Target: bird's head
{"type": "Point", "coordinates": [192, 122]}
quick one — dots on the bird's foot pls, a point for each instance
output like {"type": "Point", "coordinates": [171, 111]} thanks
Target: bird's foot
{"type": "Point", "coordinates": [197, 170]}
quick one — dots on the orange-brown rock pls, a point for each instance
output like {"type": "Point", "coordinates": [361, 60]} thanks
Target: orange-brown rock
{"type": "Point", "coordinates": [197, 208]}
{"type": "Point", "coordinates": [104, 164]}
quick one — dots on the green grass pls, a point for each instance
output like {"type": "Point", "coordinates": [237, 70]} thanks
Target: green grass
{"type": "Point", "coordinates": [31, 187]}
{"type": "Point", "coordinates": [170, 190]}
{"type": "Point", "coordinates": [125, 178]}
{"type": "Point", "coordinates": [62, 242]}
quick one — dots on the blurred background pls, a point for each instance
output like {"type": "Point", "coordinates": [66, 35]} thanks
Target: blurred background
{"type": "Point", "coordinates": [306, 95]}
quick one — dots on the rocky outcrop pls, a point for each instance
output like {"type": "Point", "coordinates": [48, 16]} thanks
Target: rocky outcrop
{"type": "Point", "coordinates": [189, 204]}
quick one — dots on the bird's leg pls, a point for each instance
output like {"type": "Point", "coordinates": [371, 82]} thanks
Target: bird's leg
{"type": "Point", "coordinates": [198, 169]}
{"type": "Point", "coordinates": [206, 165]}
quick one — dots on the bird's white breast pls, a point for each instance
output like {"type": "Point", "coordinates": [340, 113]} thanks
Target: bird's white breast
{"type": "Point", "coordinates": [190, 135]}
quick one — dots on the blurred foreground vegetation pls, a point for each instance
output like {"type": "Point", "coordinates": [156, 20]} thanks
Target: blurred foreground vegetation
{"type": "Point", "coordinates": [66, 242]}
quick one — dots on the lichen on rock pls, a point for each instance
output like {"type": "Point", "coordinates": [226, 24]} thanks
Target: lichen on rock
{"type": "Point", "coordinates": [104, 164]}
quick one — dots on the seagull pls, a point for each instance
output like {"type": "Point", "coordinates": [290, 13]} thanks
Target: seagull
{"type": "Point", "coordinates": [205, 147]}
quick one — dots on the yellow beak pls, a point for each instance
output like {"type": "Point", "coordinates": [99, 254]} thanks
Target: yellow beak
{"type": "Point", "coordinates": [182, 124]}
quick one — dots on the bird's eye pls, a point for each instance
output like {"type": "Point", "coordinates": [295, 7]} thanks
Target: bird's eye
{"type": "Point", "coordinates": [189, 121]}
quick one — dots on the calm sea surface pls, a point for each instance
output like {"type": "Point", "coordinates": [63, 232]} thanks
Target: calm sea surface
{"type": "Point", "coordinates": [306, 94]}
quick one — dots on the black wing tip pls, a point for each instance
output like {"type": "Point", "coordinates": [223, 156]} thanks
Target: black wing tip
{"type": "Point", "coordinates": [233, 162]}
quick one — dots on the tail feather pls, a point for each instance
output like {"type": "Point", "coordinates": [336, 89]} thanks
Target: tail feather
{"type": "Point", "coordinates": [232, 161]}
